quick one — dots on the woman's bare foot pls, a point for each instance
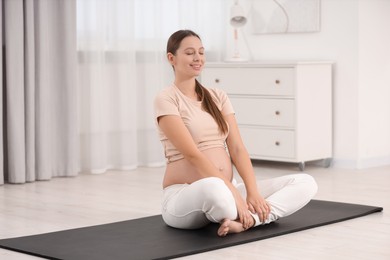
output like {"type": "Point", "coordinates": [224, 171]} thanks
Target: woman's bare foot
{"type": "Point", "coordinates": [230, 226]}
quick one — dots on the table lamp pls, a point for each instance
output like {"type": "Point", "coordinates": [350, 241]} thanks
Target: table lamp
{"type": "Point", "coordinates": [237, 19]}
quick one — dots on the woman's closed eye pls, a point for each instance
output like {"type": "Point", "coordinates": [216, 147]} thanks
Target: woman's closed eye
{"type": "Point", "coordinates": [193, 53]}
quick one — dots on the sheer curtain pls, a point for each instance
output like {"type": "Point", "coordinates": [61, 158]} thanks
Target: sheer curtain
{"type": "Point", "coordinates": [122, 65]}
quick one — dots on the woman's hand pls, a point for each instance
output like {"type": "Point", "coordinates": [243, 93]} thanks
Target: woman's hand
{"type": "Point", "coordinates": [244, 216]}
{"type": "Point", "coordinates": [241, 160]}
{"type": "Point", "coordinates": [257, 204]}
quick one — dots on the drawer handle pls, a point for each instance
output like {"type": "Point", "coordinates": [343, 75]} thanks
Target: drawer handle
{"type": "Point", "coordinates": [277, 112]}
{"type": "Point", "coordinates": [277, 143]}
{"type": "Point", "coordinates": [277, 81]}
{"type": "Point", "coordinates": [216, 80]}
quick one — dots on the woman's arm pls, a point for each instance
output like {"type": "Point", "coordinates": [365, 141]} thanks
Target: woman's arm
{"type": "Point", "coordinates": [243, 164]}
{"type": "Point", "coordinates": [175, 130]}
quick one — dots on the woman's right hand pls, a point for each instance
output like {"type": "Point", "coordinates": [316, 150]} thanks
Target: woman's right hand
{"type": "Point", "coordinates": [244, 216]}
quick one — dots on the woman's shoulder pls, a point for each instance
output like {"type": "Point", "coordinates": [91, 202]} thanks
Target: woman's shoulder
{"type": "Point", "coordinates": [217, 93]}
{"type": "Point", "coordinates": [166, 93]}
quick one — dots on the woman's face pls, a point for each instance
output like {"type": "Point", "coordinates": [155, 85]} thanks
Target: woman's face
{"type": "Point", "coordinates": [189, 58]}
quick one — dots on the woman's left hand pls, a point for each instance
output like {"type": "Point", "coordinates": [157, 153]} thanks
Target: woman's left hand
{"type": "Point", "coordinates": [257, 204]}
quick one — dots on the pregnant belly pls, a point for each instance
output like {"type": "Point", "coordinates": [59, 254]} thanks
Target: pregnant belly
{"type": "Point", "coordinates": [182, 171]}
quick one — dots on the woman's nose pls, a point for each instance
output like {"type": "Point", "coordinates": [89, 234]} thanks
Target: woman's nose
{"type": "Point", "coordinates": [196, 57]}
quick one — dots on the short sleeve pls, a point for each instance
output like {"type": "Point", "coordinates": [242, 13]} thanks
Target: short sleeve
{"type": "Point", "coordinates": [223, 101]}
{"type": "Point", "coordinates": [165, 104]}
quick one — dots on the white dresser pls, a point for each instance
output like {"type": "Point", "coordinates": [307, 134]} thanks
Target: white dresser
{"type": "Point", "coordinates": [284, 110]}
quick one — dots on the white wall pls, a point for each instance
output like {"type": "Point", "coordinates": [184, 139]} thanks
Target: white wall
{"type": "Point", "coordinates": [374, 83]}
{"type": "Point", "coordinates": [355, 35]}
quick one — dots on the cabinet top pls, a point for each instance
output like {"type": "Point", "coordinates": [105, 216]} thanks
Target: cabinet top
{"type": "Point", "coordinates": [274, 64]}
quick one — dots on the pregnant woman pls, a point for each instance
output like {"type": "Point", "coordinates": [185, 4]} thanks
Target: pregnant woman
{"type": "Point", "coordinates": [201, 141]}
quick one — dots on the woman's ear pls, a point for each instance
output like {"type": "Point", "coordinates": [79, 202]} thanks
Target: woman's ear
{"type": "Point", "coordinates": [170, 58]}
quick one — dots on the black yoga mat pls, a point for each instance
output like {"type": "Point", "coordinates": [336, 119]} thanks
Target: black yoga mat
{"type": "Point", "coordinates": [150, 238]}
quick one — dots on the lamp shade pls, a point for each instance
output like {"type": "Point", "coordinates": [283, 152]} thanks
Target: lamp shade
{"type": "Point", "coordinates": [237, 16]}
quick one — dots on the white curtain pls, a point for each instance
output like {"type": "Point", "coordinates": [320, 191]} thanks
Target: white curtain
{"type": "Point", "coordinates": [122, 65]}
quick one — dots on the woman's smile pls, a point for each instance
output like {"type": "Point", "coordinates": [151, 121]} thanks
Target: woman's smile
{"type": "Point", "coordinates": [196, 66]}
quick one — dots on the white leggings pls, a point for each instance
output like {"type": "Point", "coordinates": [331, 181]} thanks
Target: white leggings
{"type": "Point", "coordinates": [190, 206]}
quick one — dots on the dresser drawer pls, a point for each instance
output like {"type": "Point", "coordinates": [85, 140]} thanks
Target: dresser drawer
{"type": "Point", "coordinates": [268, 142]}
{"type": "Point", "coordinates": [251, 81]}
{"type": "Point", "coordinates": [264, 111]}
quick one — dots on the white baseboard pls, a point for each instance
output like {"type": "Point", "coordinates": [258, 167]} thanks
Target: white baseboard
{"type": "Point", "coordinates": [361, 163]}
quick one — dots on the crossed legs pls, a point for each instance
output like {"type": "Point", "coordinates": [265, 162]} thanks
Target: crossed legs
{"type": "Point", "coordinates": [190, 206]}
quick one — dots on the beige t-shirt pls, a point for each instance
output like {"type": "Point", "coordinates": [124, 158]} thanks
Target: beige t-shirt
{"type": "Point", "coordinates": [201, 125]}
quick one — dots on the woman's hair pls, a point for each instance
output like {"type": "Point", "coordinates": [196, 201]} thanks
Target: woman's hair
{"type": "Point", "coordinates": [208, 103]}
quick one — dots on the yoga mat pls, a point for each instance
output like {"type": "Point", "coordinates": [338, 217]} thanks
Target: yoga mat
{"type": "Point", "coordinates": [150, 238]}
